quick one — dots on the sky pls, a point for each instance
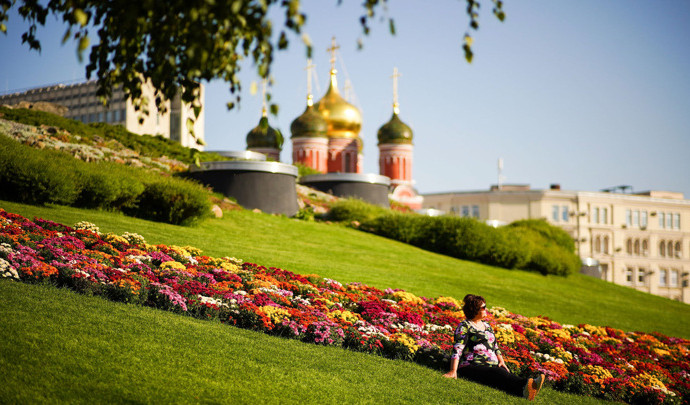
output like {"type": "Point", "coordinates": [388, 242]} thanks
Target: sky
{"type": "Point", "coordinates": [587, 94]}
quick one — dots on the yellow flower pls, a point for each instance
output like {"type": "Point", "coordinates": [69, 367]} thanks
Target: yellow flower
{"type": "Point", "coordinates": [275, 314]}
{"type": "Point", "coordinates": [405, 296]}
{"type": "Point", "coordinates": [343, 315]}
{"type": "Point", "coordinates": [172, 265]}
{"type": "Point", "coordinates": [598, 372]}
{"type": "Point", "coordinates": [449, 300]}
{"type": "Point", "coordinates": [406, 341]}
{"type": "Point", "coordinates": [648, 380]}
{"type": "Point", "coordinates": [595, 330]}
{"type": "Point", "coordinates": [560, 333]}
{"type": "Point", "coordinates": [112, 238]}
{"type": "Point", "coordinates": [505, 333]}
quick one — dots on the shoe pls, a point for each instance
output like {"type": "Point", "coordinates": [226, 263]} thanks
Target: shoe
{"type": "Point", "coordinates": [527, 391]}
{"type": "Point", "coordinates": [539, 382]}
{"type": "Point", "coordinates": [533, 387]}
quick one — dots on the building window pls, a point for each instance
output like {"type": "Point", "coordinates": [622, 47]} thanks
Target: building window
{"type": "Point", "coordinates": [475, 211]}
{"type": "Point", "coordinates": [465, 210]}
{"type": "Point", "coordinates": [629, 276]}
{"type": "Point", "coordinates": [662, 249]}
{"type": "Point", "coordinates": [669, 249]}
{"type": "Point", "coordinates": [629, 246]}
{"type": "Point", "coordinates": [628, 217]}
{"type": "Point", "coordinates": [606, 244]}
{"type": "Point", "coordinates": [663, 277]}
{"type": "Point", "coordinates": [676, 221]}
{"type": "Point", "coordinates": [645, 247]}
{"type": "Point", "coordinates": [679, 251]}
{"type": "Point", "coordinates": [604, 215]}
{"type": "Point", "coordinates": [640, 276]}
{"type": "Point", "coordinates": [637, 247]}
{"type": "Point", "coordinates": [674, 278]}
{"type": "Point", "coordinates": [595, 215]}
{"type": "Point", "coordinates": [669, 221]}
{"type": "Point", "coordinates": [636, 218]}
{"type": "Point", "coordinates": [643, 219]}
{"type": "Point", "coordinates": [597, 244]}
{"type": "Point", "coordinates": [554, 213]}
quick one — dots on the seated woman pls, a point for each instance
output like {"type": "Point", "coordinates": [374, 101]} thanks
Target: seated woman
{"type": "Point", "coordinates": [476, 355]}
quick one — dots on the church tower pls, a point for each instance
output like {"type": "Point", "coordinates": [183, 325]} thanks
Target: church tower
{"type": "Point", "coordinates": [263, 138]}
{"type": "Point", "coordinates": [310, 134]}
{"type": "Point", "coordinates": [395, 154]}
{"type": "Point", "coordinates": [344, 122]}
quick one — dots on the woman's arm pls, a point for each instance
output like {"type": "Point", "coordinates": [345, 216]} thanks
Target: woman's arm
{"type": "Point", "coordinates": [501, 362]}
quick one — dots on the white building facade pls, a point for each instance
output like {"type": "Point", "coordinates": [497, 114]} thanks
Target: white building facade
{"type": "Point", "coordinates": [639, 240]}
{"type": "Point", "coordinates": [83, 105]}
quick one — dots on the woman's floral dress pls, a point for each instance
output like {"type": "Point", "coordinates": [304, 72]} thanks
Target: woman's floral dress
{"type": "Point", "coordinates": [474, 346]}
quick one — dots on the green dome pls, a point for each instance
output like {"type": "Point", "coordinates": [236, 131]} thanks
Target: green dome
{"type": "Point", "coordinates": [309, 125]}
{"type": "Point", "coordinates": [395, 131]}
{"type": "Point", "coordinates": [263, 136]}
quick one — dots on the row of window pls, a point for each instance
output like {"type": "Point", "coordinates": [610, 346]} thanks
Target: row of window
{"type": "Point", "coordinates": [600, 215]}
{"type": "Point", "coordinates": [636, 218]}
{"type": "Point", "coordinates": [103, 116]}
{"type": "Point", "coordinates": [601, 244]}
{"type": "Point", "coordinates": [671, 249]}
{"type": "Point", "coordinates": [560, 213]}
{"type": "Point", "coordinates": [669, 220]}
{"type": "Point", "coordinates": [464, 211]}
{"type": "Point", "coordinates": [637, 247]}
{"type": "Point", "coordinates": [639, 276]}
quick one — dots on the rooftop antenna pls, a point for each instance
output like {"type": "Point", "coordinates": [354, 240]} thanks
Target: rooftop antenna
{"type": "Point", "coordinates": [501, 177]}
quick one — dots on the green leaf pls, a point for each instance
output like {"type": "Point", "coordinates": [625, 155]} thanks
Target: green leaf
{"type": "Point", "coordinates": [83, 44]}
{"type": "Point", "coordinates": [190, 125]}
{"type": "Point", "coordinates": [197, 111]}
{"type": "Point", "coordinates": [230, 105]}
{"type": "Point", "coordinates": [468, 53]}
{"type": "Point", "coordinates": [3, 28]}
{"type": "Point", "coordinates": [391, 26]}
{"type": "Point", "coordinates": [282, 41]}
{"type": "Point", "coordinates": [68, 33]}
{"type": "Point", "coordinates": [200, 142]}
{"type": "Point", "coordinates": [274, 109]}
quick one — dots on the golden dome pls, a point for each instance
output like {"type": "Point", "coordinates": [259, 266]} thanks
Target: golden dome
{"type": "Point", "coordinates": [344, 119]}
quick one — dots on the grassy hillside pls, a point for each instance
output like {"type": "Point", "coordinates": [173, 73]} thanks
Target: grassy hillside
{"type": "Point", "coordinates": [59, 346]}
{"type": "Point", "coordinates": [348, 255]}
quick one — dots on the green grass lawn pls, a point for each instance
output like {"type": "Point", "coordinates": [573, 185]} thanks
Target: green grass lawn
{"type": "Point", "coordinates": [62, 347]}
{"type": "Point", "coordinates": [348, 255]}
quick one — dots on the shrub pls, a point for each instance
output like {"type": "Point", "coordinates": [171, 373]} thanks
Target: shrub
{"type": "Point", "coordinates": [170, 199]}
{"type": "Point", "coordinates": [532, 245]}
{"type": "Point", "coordinates": [108, 185]}
{"type": "Point", "coordinates": [550, 232]}
{"type": "Point", "coordinates": [36, 176]}
{"type": "Point", "coordinates": [352, 209]}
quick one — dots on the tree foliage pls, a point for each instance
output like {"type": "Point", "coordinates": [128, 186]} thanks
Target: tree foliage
{"type": "Point", "coordinates": [177, 44]}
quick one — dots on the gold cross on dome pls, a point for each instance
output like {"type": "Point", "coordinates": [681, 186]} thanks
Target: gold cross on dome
{"type": "Point", "coordinates": [396, 75]}
{"type": "Point", "coordinates": [334, 47]}
{"type": "Point", "coordinates": [310, 71]}
{"type": "Point", "coordinates": [264, 109]}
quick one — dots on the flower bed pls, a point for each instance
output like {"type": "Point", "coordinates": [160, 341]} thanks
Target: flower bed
{"type": "Point", "coordinates": [584, 359]}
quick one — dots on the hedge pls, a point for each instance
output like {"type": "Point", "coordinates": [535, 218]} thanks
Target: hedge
{"type": "Point", "coordinates": [529, 244]}
{"type": "Point", "coordinates": [38, 176]}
